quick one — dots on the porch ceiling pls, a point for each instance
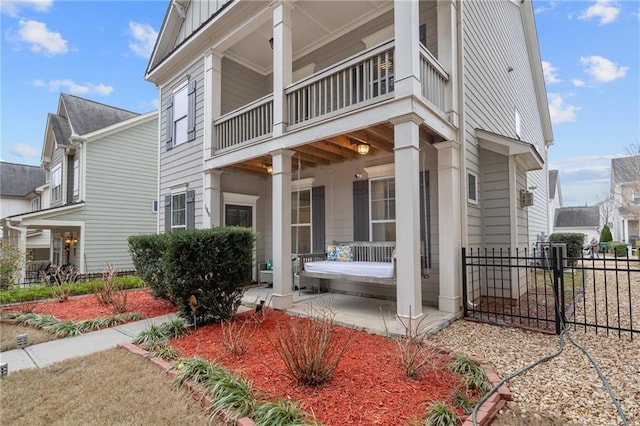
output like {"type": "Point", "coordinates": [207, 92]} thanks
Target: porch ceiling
{"type": "Point", "coordinates": [335, 149]}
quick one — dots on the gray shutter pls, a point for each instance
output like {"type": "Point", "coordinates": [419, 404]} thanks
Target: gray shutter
{"type": "Point", "coordinates": [191, 209]}
{"type": "Point", "coordinates": [425, 211]}
{"type": "Point", "coordinates": [167, 213]}
{"type": "Point", "coordinates": [361, 210]}
{"type": "Point", "coordinates": [169, 125]}
{"type": "Point", "coordinates": [191, 112]}
{"type": "Point", "coordinates": [317, 219]}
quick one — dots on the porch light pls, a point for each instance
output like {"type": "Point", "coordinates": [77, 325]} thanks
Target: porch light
{"type": "Point", "coordinates": [271, 43]}
{"type": "Point", "coordinates": [361, 147]}
{"type": "Point", "coordinates": [269, 168]}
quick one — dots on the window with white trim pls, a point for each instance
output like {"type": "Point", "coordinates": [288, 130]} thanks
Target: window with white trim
{"type": "Point", "coordinates": [180, 112]}
{"type": "Point", "coordinates": [301, 235]}
{"type": "Point", "coordinates": [35, 204]}
{"type": "Point", "coordinates": [56, 183]}
{"type": "Point", "coordinates": [382, 197]}
{"type": "Point", "coordinates": [56, 251]}
{"type": "Point", "coordinates": [76, 177]}
{"type": "Point", "coordinates": [472, 188]}
{"type": "Point", "coordinates": [179, 210]}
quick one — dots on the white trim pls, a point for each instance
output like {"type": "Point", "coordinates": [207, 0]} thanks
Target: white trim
{"type": "Point", "coordinates": [305, 183]}
{"type": "Point", "coordinates": [236, 199]}
{"type": "Point", "coordinates": [179, 187]}
{"type": "Point", "coordinates": [378, 37]}
{"type": "Point", "coordinates": [383, 170]}
{"type": "Point", "coordinates": [303, 72]}
{"type": "Point", "coordinates": [470, 200]}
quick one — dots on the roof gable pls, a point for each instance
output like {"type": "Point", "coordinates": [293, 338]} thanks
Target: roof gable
{"type": "Point", "coordinates": [85, 116]}
{"type": "Point", "coordinates": [625, 169]}
{"type": "Point", "coordinates": [19, 180]}
{"type": "Point", "coordinates": [577, 217]}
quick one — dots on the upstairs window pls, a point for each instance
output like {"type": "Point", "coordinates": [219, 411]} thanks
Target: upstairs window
{"type": "Point", "coordinates": [180, 115]}
{"type": "Point", "coordinates": [76, 177]}
{"type": "Point", "coordinates": [56, 183]}
{"type": "Point", "coordinates": [35, 204]}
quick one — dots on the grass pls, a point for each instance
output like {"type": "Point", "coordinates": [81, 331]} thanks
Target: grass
{"type": "Point", "coordinates": [8, 333]}
{"type": "Point", "coordinates": [110, 387]}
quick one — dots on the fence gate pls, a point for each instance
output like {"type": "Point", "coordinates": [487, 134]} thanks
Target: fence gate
{"type": "Point", "coordinates": [544, 289]}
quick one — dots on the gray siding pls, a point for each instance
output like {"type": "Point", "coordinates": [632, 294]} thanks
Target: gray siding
{"type": "Point", "coordinates": [183, 163]}
{"type": "Point", "coordinates": [121, 183]}
{"type": "Point", "coordinates": [241, 86]}
{"type": "Point", "coordinates": [197, 14]}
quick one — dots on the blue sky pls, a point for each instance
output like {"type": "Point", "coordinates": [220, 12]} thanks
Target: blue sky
{"type": "Point", "coordinates": [98, 50]}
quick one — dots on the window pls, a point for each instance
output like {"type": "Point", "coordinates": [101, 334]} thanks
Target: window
{"type": "Point", "coordinates": [56, 183]}
{"type": "Point", "coordinates": [35, 204]}
{"type": "Point", "coordinates": [178, 211]}
{"type": "Point", "coordinates": [301, 221]}
{"type": "Point", "coordinates": [383, 209]}
{"type": "Point", "coordinates": [56, 251]}
{"type": "Point", "coordinates": [154, 206]}
{"type": "Point", "coordinates": [180, 115]}
{"type": "Point", "coordinates": [472, 188]}
{"type": "Point", "coordinates": [76, 177]}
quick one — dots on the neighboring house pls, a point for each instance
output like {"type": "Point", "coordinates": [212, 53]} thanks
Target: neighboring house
{"type": "Point", "coordinates": [555, 197]}
{"type": "Point", "coordinates": [21, 191]}
{"type": "Point", "coordinates": [580, 220]}
{"type": "Point", "coordinates": [101, 165]}
{"type": "Point", "coordinates": [625, 191]}
{"type": "Point", "coordinates": [420, 122]}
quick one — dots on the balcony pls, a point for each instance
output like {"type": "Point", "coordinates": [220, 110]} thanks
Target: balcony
{"type": "Point", "coordinates": [353, 84]}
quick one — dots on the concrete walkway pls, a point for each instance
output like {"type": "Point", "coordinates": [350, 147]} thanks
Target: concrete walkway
{"type": "Point", "coordinates": [372, 315]}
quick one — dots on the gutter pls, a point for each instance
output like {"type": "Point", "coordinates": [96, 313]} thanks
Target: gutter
{"type": "Point", "coordinates": [464, 231]}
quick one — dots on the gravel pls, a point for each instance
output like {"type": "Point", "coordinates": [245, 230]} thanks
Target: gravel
{"type": "Point", "coordinates": [565, 389]}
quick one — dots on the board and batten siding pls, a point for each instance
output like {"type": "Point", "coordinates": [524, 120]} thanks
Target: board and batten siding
{"type": "Point", "coordinates": [182, 165]}
{"type": "Point", "coordinates": [197, 14]}
{"type": "Point", "coordinates": [121, 184]}
{"type": "Point", "coordinates": [494, 42]}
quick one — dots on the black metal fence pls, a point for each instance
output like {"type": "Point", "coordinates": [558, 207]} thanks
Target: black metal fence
{"type": "Point", "coordinates": [36, 272]}
{"type": "Point", "coordinates": [544, 289]}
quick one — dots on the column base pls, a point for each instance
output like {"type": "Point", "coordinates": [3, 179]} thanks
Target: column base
{"type": "Point", "coordinates": [450, 304]}
{"type": "Point", "coordinates": [405, 324]}
{"type": "Point", "coordinates": [282, 301]}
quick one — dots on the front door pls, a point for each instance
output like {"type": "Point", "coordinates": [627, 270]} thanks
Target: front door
{"type": "Point", "coordinates": [236, 215]}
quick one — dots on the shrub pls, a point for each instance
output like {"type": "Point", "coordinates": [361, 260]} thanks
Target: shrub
{"type": "Point", "coordinates": [236, 336]}
{"type": "Point", "coordinates": [147, 253]}
{"type": "Point", "coordinates": [309, 349]}
{"type": "Point", "coordinates": [605, 234]}
{"type": "Point", "coordinates": [60, 281]}
{"type": "Point", "coordinates": [11, 260]}
{"type": "Point", "coordinates": [619, 249]}
{"type": "Point", "coordinates": [213, 265]}
{"type": "Point", "coordinates": [574, 242]}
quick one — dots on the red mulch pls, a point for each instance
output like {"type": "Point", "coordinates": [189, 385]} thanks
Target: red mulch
{"type": "Point", "coordinates": [368, 388]}
{"type": "Point", "coordinates": [79, 308]}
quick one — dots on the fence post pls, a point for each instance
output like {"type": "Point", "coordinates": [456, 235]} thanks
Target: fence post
{"type": "Point", "coordinates": [464, 282]}
{"type": "Point", "coordinates": [558, 286]}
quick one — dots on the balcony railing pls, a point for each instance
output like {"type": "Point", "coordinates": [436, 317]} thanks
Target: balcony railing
{"type": "Point", "coordinates": [250, 123]}
{"type": "Point", "coordinates": [348, 85]}
{"type": "Point", "coordinates": [433, 79]}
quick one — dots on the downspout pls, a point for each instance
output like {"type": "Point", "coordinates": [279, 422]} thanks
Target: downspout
{"type": "Point", "coordinates": [462, 127]}
{"type": "Point", "coordinates": [22, 246]}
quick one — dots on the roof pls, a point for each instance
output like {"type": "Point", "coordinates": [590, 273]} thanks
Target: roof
{"type": "Point", "coordinates": [625, 169]}
{"type": "Point", "coordinates": [19, 180]}
{"type": "Point", "coordinates": [87, 116]}
{"type": "Point", "coordinates": [553, 183]}
{"type": "Point", "coordinates": [577, 217]}
{"type": "Point", "coordinates": [60, 128]}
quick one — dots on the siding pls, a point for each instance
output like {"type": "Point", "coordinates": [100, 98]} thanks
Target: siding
{"type": "Point", "coordinates": [121, 184]}
{"type": "Point", "coordinates": [197, 14]}
{"type": "Point", "coordinates": [183, 163]}
{"type": "Point", "coordinates": [241, 85]}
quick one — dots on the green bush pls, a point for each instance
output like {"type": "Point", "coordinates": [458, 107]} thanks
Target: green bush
{"type": "Point", "coordinates": [605, 234]}
{"type": "Point", "coordinates": [574, 242]}
{"type": "Point", "coordinates": [618, 249]}
{"type": "Point", "coordinates": [11, 259]}
{"type": "Point", "coordinates": [211, 264]}
{"type": "Point", "coordinates": [147, 253]}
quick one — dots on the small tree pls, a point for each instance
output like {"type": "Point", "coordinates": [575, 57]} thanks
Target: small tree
{"type": "Point", "coordinates": [11, 261]}
{"type": "Point", "coordinates": [605, 234]}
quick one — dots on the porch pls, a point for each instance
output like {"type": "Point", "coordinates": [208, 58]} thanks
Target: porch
{"type": "Point", "coordinates": [364, 313]}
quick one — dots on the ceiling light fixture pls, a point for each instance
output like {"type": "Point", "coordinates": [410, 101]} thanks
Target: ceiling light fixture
{"type": "Point", "coordinates": [361, 147]}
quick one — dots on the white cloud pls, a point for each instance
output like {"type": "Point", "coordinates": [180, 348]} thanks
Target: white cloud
{"type": "Point", "coordinates": [602, 69]}
{"type": "Point", "coordinates": [606, 11]}
{"type": "Point", "coordinates": [24, 151]}
{"type": "Point", "coordinates": [561, 113]}
{"type": "Point", "coordinates": [12, 7]}
{"type": "Point", "coordinates": [550, 73]}
{"type": "Point", "coordinates": [40, 39]}
{"type": "Point", "coordinates": [577, 82]}
{"type": "Point", "coordinates": [144, 38]}
{"type": "Point", "coordinates": [74, 88]}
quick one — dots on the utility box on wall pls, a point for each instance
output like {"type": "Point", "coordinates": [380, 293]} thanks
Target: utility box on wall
{"type": "Point", "coordinates": [526, 198]}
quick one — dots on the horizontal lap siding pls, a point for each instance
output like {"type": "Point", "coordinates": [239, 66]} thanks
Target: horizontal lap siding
{"type": "Point", "coordinates": [495, 199]}
{"type": "Point", "coordinates": [120, 187]}
{"type": "Point", "coordinates": [241, 86]}
{"type": "Point", "coordinates": [183, 163]}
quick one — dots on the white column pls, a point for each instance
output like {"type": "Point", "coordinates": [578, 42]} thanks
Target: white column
{"type": "Point", "coordinates": [281, 205]}
{"type": "Point", "coordinates": [17, 237]}
{"type": "Point", "coordinates": [407, 175]}
{"type": "Point", "coordinates": [212, 199]}
{"type": "Point", "coordinates": [282, 64]}
{"type": "Point", "coordinates": [407, 51]}
{"type": "Point", "coordinates": [449, 226]}
{"type": "Point", "coordinates": [448, 54]}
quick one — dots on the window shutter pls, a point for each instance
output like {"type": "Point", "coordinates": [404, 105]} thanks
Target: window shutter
{"type": "Point", "coordinates": [191, 209]}
{"type": "Point", "coordinates": [425, 211]}
{"type": "Point", "coordinates": [191, 112]}
{"type": "Point", "coordinates": [169, 125]}
{"type": "Point", "coordinates": [361, 210]}
{"type": "Point", "coordinates": [317, 218]}
{"type": "Point", "coordinates": [167, 213]}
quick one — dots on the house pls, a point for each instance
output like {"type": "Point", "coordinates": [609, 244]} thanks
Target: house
{"type": "Point", "coordinates": [555, 197]}
{"type": "Point", "coordinates": [101, 185]}
{"type": "Point", "coordinates": [581, 220]}
{"type": "Point", "coordinates": [420, 122]}
{"type": "Point", "coordinates": [21, 190]}
{"type": "Point", "coordinates": [625, 191]}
